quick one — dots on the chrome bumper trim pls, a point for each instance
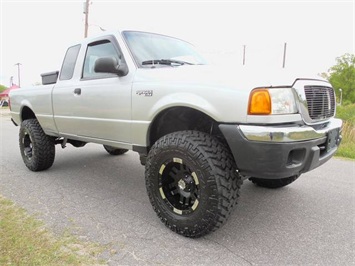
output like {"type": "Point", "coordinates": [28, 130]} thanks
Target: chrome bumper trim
{"type": "Point", "coordinates": [288, 134]}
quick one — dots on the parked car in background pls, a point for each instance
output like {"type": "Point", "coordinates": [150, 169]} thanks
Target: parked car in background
{"type": "Point", "coordinates": [4, 103]}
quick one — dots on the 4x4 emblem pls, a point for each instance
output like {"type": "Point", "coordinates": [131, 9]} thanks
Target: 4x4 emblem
{"type": "Point", "coordinates": [146, 93]}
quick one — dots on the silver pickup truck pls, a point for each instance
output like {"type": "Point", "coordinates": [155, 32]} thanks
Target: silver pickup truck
{"type": "Point", "coordinates": [200, 131]}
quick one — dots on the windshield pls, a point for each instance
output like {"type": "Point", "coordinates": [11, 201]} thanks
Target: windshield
{"type": "Point", "coordinates": [151, 49]}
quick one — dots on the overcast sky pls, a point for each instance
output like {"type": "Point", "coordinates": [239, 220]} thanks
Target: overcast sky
{"type": "Point", "coordinates": [37, 33]}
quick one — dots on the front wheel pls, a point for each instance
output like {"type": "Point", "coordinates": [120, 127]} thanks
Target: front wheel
{"type": "Point", "coordinates": [192, 182]}
{"type": "Point", "coordinates": [273, 183]}
{"type": "Point", "coordinates": [37, 148]}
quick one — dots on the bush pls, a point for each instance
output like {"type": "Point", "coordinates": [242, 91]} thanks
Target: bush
{"type": "Point", "coordinates": [347, 147]}
{"type": "Point", "coordinates": [346, 113]}
{"type": "Point", "coordinates": [2, 88]}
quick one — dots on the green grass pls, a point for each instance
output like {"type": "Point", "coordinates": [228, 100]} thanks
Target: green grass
{"type": "Point", "coordinates": [347, 146]}
{"type": "Point", "coordinates": [347, 113]}
{"type": "Point", "coordinates": [25, 241]}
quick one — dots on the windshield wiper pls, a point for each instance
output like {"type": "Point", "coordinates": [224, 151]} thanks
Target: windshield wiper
{"type": "Point", "coordinates": [165, 62]}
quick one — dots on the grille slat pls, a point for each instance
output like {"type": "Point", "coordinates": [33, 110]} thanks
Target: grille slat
{"type": "Point", "coordinates": [320, 102]}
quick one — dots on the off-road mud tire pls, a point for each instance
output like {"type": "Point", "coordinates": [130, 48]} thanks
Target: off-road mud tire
{"type": "Point", "coordinates": [273, 183]}
{"type": "Point", "coordinates": [37, 148]}
{"type": "Point", "coordinates": [216, 181]}
{"type": "Point", "coordinates": [115, 151]}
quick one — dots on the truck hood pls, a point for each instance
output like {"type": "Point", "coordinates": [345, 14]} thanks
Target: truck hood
{"type": "Point", "coordinates": [212, 76]}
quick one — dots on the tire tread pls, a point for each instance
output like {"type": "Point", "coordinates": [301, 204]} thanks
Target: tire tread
{"type": "Point", "coordinates": [44, 155]}
{"type": "Point", "coordinates": [217, 160]}
{"type": "Point", "coordinates": [273, 183]}
{"type": "Point", "coordinates": [114, 151]}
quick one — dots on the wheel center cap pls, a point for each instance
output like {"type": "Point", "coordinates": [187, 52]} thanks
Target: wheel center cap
{"type": "Point", "coordinates": [182, 184]}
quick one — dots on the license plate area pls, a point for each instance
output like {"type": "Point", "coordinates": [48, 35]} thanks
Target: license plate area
{"type": "Point", "coordinates": [332, 139]}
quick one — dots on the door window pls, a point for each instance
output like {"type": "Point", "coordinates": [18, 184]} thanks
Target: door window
{"type": "Point", "coordinates": [95, 51]}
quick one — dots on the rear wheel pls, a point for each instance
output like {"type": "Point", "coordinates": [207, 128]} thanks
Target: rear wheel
{"type": "Point", "coordinates": [273, 183]}
{"type": "Point", "coordinates": [37, 148]}
{"type": "Point", "coordinates": [192, 182]}
{"type": "Point", "coordinates": [115, 151]}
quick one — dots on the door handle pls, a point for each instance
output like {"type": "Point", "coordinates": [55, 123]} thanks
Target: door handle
{"type": "Point", "coordinates": [77, 91]}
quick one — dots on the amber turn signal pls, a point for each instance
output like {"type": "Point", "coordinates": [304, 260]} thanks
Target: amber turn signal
{"type": "Point", "coordinates": [259, 102]}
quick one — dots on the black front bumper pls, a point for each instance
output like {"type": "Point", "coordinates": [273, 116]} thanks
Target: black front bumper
{"type": "Point", "coordinates": [273, 160]}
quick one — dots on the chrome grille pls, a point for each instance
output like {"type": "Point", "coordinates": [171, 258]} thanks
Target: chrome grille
{"type": "Point", "coordinates": [320, 102]}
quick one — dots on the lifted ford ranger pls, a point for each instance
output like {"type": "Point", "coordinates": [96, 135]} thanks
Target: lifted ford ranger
{"type": "Point", "coordinates": [200, 131]}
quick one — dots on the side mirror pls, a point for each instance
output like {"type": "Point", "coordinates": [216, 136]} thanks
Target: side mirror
{"type": "Point", "coordinates": [110, 65]}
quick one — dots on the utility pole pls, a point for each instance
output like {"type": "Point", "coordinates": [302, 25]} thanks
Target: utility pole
{"type": "Point", "coordinates": [284, 60]}
{"type": "Point", "coordinates": [86, 12]}
{"type": "Point", "coordinates": [244, 46]}
{"type": "Point", "coordinates": [18, 73]}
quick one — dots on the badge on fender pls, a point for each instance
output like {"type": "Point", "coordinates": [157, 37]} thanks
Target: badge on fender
{"type": "Point", "coordinates": [146, 93]}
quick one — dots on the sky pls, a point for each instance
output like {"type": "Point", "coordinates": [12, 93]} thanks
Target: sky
{"type": "Point", "coordinates": [37, 33]}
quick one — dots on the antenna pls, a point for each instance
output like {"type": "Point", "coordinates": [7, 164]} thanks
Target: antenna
{"type": "Point", "coordinates": [244, 46]}
{"type": "Point", "coordinates": [284, 59]}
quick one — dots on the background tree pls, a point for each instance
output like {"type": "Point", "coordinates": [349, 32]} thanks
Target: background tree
{"type": "Point", "coordinates": [342, 76]}
{"type": "Point", "coordinates": [2, 88]}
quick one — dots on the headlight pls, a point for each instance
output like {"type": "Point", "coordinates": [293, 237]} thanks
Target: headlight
{"type": "Point", "coordinates": [266, 101]}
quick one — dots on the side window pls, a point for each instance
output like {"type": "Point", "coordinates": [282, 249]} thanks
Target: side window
{"type": "Point", "coordinates": [69, 62]}
{"type": "Point", "coordinates": [95, 51]}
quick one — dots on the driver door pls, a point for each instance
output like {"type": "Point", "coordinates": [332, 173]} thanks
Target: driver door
{"type": "Point", "coordinates": [97, 105]}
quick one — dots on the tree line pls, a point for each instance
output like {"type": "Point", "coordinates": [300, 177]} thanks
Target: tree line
{"type": "Point", "coordinates": [342, 77]}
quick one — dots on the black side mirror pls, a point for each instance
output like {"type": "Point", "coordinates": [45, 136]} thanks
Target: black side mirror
{"type": "Point", "coordinates": [110, 65]}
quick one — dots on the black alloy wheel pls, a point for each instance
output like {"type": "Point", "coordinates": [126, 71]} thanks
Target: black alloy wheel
{"type": "Point", "coordinates": [27, 146]}
{"type": "Point", "coordinates": [179, 186]}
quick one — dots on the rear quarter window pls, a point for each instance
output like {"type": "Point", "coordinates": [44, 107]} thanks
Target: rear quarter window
{"type": "Point", "coordinates": [68, 66]}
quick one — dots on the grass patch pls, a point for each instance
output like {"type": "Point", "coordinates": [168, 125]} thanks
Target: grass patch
{"type": "Point", "coordinates": [346, 113]}
{"type": "Point", "coordinates": [347, 146]}
{"type": "Point", "coordinates": [25, 241]}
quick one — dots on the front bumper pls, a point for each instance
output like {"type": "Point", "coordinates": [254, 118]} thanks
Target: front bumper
{"type": "Point", "coordinates": [281, 151]}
